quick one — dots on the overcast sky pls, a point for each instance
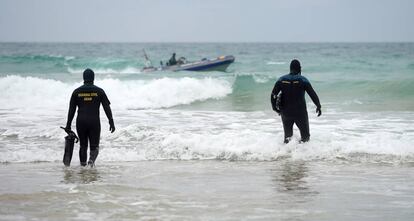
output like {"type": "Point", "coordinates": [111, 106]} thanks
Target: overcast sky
{"type": "Point", "coordinates": [207, 20]}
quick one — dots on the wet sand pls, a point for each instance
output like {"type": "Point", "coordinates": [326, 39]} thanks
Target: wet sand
{"type": "Point", "coordinates": [207, 190]}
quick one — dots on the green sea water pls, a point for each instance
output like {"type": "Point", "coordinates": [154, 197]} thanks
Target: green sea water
{"type": "Point", "coordinates": [353, 76]}
{"type": "Point", "coordinates": [207, 146]}
{"type": "Point", "coordinates": [366, 91]}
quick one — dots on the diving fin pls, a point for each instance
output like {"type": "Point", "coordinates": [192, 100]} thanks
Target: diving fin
{"type": "Point", "coordinates": [276, 101]}
{"type": "Point", "coordinates": [278, 104]}
{"type": "Point", "coordinates": [70, 141]}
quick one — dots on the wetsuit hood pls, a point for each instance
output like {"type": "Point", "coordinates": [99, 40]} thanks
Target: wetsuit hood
{"type": "Point", "coordinates": [295, 67]}
{"type": "Point", "coordinates": [88, 76]}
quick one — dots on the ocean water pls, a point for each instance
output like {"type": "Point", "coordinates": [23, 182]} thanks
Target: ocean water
{"type": "Point", "coordinates": [211, 126]}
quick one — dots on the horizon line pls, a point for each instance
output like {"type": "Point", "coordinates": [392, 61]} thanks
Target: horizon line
{"type": "Point", "coordinates": [204, 42]}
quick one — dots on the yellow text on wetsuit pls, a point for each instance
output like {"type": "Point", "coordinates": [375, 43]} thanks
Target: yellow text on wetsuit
{"type": "Point", "coordinates": [87, 96]}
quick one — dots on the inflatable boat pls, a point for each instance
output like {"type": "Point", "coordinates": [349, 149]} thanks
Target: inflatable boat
{"type": "Point", "coordinates": [218, 64]}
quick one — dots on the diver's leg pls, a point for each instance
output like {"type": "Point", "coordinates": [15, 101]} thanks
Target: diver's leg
{"type": "Point", "coordinates": [94, 137]}
{"type": "Point", "coordinates": [303, 124]}
{"type": "Point", "coordinates": [83, 141]}
{"type": "Point", "coordinates": [287, 127]}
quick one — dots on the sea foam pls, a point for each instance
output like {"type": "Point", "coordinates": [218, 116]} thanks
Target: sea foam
{"type": "Point", "coordinates": [207, 135]}
{"type": "Point", "coordinates": [39, 94]}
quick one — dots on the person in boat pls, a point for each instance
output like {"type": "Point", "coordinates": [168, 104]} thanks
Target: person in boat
{"type": "Point", "coordinates": [88, 99]}
{"type": "Point", "coordinates": [291, 104]}
{"type": "Point", "coordinates": [172, 60]}
{"type": "Point", "coordinates": [181, 60]}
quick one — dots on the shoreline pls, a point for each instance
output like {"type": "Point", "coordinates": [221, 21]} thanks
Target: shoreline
{"type": "Point", "coordinates": [214, 190]}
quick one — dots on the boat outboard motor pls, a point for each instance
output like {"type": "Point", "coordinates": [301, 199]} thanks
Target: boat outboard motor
{"type": "Point", "coordinates": [70, 141]}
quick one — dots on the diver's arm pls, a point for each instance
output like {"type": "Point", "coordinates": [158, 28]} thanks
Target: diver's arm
{"type": "Point", "coordinates": [72, 110]}
{"type": "Point", "coordinates": [314, 97]}
{"type": "Point", "coordinates": [108, 111]}
{"type": "Point", "coordinates": [312, 94]}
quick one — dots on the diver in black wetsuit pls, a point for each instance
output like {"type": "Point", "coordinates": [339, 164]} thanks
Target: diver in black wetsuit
{"type": "Point", "coordinates": [172, 60]}
{"type": "Point", "coordinates": [88, 99]}
{"type": "Point", "coordinates": [293, 105]}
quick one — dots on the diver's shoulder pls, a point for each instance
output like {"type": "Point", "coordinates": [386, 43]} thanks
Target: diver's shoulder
{"type": "Point", "coordinates": [80, 88]}
{"type": "Point", "coordinates": [88, 87]}
{"type": "Point", "coordinates": [92, 86]}
{"type": "Point", "coordinates": [284, 77]}
{"type": "Point", "coordinates": [99, 89]}
{"type": "Point", "coordinates": [303, 78]}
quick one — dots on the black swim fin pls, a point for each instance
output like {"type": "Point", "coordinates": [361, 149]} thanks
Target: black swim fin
{"type": "Point", "coordinates": [70, 141]}
{"type": "Point", "coordinates": [278, 104]}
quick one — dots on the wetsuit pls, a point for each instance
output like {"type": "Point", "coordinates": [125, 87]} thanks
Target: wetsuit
{"type": "Point", "coordinates": [88, 99]}
{"type": "Point", "coordinates": [293, 105]}
{"type": "Point", "coordinates": [172, 60]}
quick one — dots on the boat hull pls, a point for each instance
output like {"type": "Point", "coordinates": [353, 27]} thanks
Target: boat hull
{"type": "Point", "coordinates": [218, 64]}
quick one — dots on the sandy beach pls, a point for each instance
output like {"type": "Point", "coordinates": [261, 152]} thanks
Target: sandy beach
{"type": "Point", "coordinates": [207, 190]}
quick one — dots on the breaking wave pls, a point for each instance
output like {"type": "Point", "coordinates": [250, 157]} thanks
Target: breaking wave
{"type": "Point", "coordinates": [36, 93]}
